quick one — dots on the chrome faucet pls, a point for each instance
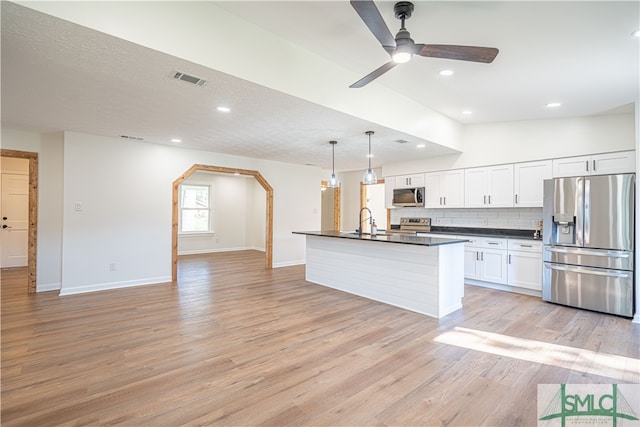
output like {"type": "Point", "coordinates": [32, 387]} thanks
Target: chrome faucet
{"type": "Point", "coordinates": [360, 220]}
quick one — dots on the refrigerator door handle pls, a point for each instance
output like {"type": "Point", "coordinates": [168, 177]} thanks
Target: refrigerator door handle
{"type": "Point", "coordinates": [580, 214]}
{"type": "Point", "coordinates": [586, 270]}
{"type": "Point", "coordinates": [587, 212]}
{"type": "Point", "coordinates": [609, 254]}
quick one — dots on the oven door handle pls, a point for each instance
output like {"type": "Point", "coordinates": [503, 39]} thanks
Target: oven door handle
{"type": "Point", "coordinates": [586, 270]}
{"type": "Point", "coordinates": [610, 254]}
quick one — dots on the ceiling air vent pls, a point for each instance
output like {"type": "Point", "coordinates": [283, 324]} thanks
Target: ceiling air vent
{"type": "Point", "coordinates": [189, 79]}
{"type": "Point", "coordinates": [137, 138]}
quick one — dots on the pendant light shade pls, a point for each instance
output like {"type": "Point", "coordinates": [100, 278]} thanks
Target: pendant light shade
{"type": "Point", "coordinates": [369, 176]}
{"type": "Point", "coordinates": [333, 181]}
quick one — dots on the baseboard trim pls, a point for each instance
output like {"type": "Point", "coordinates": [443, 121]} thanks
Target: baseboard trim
{"type": "Point", "coordinates": [501, 287]}
{"type": "Point", "coordinates": [114, 285]}
{"type": "Point", "coordinates": [288, 263]}
{"type": "Point", "coordinates": [211, 251]}
{"type": "Point", "coordinates": [47, 287]}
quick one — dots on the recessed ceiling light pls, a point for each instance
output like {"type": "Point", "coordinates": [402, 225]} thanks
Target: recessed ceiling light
{"type": "Point", "coordinates": [223, 109]}
{"type": "Point", "coordinates": [176, 140]}
{"type": "Point", "coordinates": [467, 112]}
{"type": "Point", "coordinates": [421, 145]}
{"type": "Point", "coordinates": [553, 104]}
{"type": "Point", "coordinates": [636, 33]}
{"type": "Point", "coordinates": [446, 72]}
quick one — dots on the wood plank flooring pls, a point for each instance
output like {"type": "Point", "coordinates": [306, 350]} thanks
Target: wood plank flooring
{"type": "Point", "coordinates": [234, 344]}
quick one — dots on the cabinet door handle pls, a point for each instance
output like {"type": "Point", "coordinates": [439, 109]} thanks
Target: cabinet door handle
{"type": "Point", "coordinates": [440, 200]}
{"type": "Point", "coordinates": [516, 196]}
{"type": "Point", "coordinates": [587, 162]}
{"type": "Point", "coordinates": [526, 246]}
{"type": "Point", "coordinates": [509, 261]}
{"type": "Point", "coordinates": [482, 256]}
{"type": "Point", "coordinates": [489, 199]}
{"type": "Point", "coordinates": [477, 256]}
{"type": "Point", "coordinates": [444, 200]}
{"type": "Point", "coordinates": [493, 243]}
{"type": "Point", "coordinates": [594, 165]}
{"type": "Point", "coordinates": [484, 200]}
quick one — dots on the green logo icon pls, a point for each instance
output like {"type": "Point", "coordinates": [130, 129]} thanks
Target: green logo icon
{"type": "Point", "coordinates": [587, 404]}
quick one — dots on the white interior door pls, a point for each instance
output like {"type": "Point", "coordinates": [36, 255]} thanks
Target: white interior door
{"type": "Point", "coordinates": [15, 220]}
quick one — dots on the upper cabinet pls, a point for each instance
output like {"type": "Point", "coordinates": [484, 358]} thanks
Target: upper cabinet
{"type": "Point", "coordinates": [409, 181]}
{"type": "Point", "coordinates": [528, 179]}
{"type": "Point", "coordinates": [489, 187]}
{"type": "Point", "coordinates": [597, 164]}
{"type": "Point", "coordinates": [444, 189]}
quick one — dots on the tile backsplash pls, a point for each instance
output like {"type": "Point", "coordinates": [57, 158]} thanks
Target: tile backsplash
{"type": "Point", "coordinates": [511, 218]}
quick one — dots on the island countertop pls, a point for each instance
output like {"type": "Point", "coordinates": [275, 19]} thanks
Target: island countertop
{"type": "Point", "coordinates": [406, 239]}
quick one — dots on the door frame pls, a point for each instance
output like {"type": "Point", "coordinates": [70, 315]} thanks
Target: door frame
{"type": "Point", "coordinates": [32, 250]}
{"type": "Point", "coordinates": [336, 204]}
{"type": "Point", "coordinates": [220, 169]}
{"type": "Point", "coordinates": [363, 201]}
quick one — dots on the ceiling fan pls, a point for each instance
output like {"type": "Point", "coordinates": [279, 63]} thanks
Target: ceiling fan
{"type": "Point", "coordinates": [402, 47]}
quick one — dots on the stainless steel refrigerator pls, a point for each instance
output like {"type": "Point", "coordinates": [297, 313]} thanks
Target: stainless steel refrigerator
{"type": "Point", "coordinates": [589, 242]}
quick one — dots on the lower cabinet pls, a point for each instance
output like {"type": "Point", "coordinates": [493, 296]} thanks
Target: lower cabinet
{"type": "Point", "coordinates": [502, 261]}
{"type": "Point", "coordinates": [516, 263]}
{"type": "Point", "coordinates": [525, 264]}
{"type": "Point", "coordinates": [486, 259]}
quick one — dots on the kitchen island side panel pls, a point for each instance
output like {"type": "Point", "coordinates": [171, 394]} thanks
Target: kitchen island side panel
{"type": "Point", "coordinates": [424, 279]}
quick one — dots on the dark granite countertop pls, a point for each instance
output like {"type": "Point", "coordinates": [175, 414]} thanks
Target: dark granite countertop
{"type": "Point", "coordinates": [483, 232]}
{"type": "Point", "coordinates": [407, 239]}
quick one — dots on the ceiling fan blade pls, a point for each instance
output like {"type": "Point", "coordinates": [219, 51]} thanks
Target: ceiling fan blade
{"type": "Point", "coordinates": [374, 75]}
{"type": "Point", "coordinates": [370, 14]}
{"type": "Point", "coordinates": [461, 53]}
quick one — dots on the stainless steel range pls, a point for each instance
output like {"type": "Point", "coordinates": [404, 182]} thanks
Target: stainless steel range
{"type": "Point", "coordinates": [421, 225]}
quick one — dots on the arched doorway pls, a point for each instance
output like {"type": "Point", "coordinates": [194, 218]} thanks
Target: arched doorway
{"type": "Point", "coordinates": [220, 169]}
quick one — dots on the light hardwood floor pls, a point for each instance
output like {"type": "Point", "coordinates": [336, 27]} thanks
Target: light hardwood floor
{"type": "Point", "coordinates": [234, 344]}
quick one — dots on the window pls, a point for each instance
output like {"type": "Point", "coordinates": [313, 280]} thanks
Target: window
{"type": "Point", "coordinates": [195, 209]}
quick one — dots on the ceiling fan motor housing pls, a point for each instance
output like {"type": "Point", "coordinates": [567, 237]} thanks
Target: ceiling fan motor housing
{"type": "Point", "coordinates": [403, 10]}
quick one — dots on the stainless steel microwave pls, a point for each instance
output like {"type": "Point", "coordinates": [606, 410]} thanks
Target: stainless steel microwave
{"type": "Point", "coordinates": [408, 196]}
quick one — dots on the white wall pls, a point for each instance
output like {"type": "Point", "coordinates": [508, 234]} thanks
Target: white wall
{"type": "Point", "coordinates": [510, 142]}
{"type": "Point", "coordinates": [237, 224]}
{"type": "Point", "coordinates": [125, 188]}
{"type": "Point", "coordinates": [256, 220]}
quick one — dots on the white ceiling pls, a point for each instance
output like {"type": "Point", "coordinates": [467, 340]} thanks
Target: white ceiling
{"type": "Point", "coordinates": [60, 76]}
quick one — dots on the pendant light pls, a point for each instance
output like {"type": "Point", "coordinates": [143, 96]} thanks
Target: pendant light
{"type": "Point", "coordinates": [333, 181]}
{"type": "Point", "coordinates": [369, 176]}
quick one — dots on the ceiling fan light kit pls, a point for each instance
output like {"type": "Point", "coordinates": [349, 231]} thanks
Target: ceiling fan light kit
{"type": "Point", "coordinates": [402, 47]}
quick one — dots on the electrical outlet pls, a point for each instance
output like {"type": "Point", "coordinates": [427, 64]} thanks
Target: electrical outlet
{"type": "Point", "coordinates": [77, 206]}
{"type": "Point", "coordinates": [113, 266]}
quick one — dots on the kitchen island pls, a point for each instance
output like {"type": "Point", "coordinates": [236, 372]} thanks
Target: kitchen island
{"type": "Point", "coordinates": [421, 274]}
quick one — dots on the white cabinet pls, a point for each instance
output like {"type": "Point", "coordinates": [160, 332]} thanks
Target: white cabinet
{"type": "Point", "coordinates": [409, 181]}
{"type": "Point", "coordinates": [597, 164]}
{"type": "Point", "coordinates": [528, 183]}
{"type": "Point", "coordinates": [444, 189]}
{"type": "Point", "coordinates": [489, 187]}
{"type": "Point", "coordinates": [485, 259]}
{"type": "Point", "coordinates": [525, 264]}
